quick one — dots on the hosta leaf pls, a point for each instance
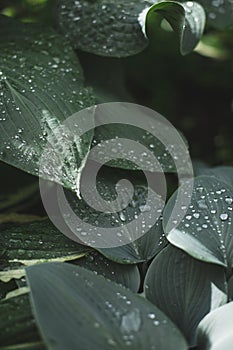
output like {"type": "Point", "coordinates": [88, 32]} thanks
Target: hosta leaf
{"type": "Point", "coordinates": [133, 145]}
{"type": "Point", "coordinates": [120, 29]}
{"type": "Point", "coordinates": [32, 243]}
{"type": "Point", "coordinates": [184, 288]}
{"type": "Point", "coordinates": [126, 275]}
{"type": "Point", "coordinates": [17, 324]}
{"type": "Point", "coordinates": [219, 12]}
{"type": "Point", "coordinates": [215, 332]}
{"type": "Point", "coordinates": [41, 84]}
{"type": "Point", "coordinates": [206, 230]}
{"type": "Point", "coordinates": [141, 245]}
{"type": "Point", "coordinates": [223, 173]}
{"type": "Point", "coordinates": [74, 307]}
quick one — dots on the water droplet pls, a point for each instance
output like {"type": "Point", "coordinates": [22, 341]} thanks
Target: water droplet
{"type": "Point", "coordinates": [224, 216]}
{"type": "Point", "coordinates": [229, 200]}
{"type": "Point", "coordinates": [202, 204]}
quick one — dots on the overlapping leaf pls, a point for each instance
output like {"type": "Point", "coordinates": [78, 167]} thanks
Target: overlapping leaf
{"type": "Point", "coordinates": [32, 243]}
{"type": "Point", "coordinates": [120, 29]}
{"type": "Point", "coordinates": [126, 275]}
{"type": "Point", "coordinates": [184, 288]}
{"type": "Point", "coordinates": [152, 239]}
{"type": "Point", "coordinates": [215, 330]}
{"type": "Point", "coordinates": [41, 84]}
{"type": "Point", "coordinates": [206, 231]}
{"type": "Point", "coordinates": [74, 306]}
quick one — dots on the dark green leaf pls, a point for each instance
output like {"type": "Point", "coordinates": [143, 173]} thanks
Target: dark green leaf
{"type": "Point", "coordinates": [17, 324]}
{"type": "Point", "coordinates": [41, 84]}
{"type": "Point", "coordinates": [215, 332]}
{"type": "Point", "coordinates": [74, 307]}
{"type": "Point", "coordinates": [184, 288]}
{"type": "Point", "coordinates": [32, 243]}
{"type": "Point", "coordinates": [206, 230]}
{"type": "Point", "coordinates": [223, 173]}
{"type": "Point", "coordinates": [141, 249]}
{"type": "Point", "coordinates": [120, 29]}
{"type": "Point", "coordinates": [126, 275]}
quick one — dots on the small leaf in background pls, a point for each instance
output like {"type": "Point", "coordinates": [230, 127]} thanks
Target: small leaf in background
{"type": "Point", "coordinates": [41, 84]}
{"type": "Point", "coordinates": [184, 288]}
{"type": "Point", "coordinates": [120, 29]}
{"type": "Point", "coordinates": [126, 275]}
{"type": "Point", "coordinates": [17, 324]}
{"type": "Point", "coordinates": [215, 331]}
{"type": "Point", "coordinates": [74, 307]}
{"type": "Point", "coordinates": [206, 232]}
{"type": "Point", "coordinates": [32, 243]}
{"type": "Point", "coordinates": [194, 25]}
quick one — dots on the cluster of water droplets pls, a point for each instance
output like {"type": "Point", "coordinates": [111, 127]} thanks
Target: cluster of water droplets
{"type": "Point", "coordinates": [109, 28]}
{"type": "Point", "coordinates": [210, 213]}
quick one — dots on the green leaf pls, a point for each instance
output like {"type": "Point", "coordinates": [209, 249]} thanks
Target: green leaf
{"type": "Point", "coordinates": [144, 244]}
{"type": "Point", "coordinates": [34, 243]}
{"type": "Point", "coordinates": [143, 249]}
{"type": "Point", "coordinates": [74, 307]}
{"type": "Point", "coordinates": [219, 12]}
{"type": "Point", "coordinates": [17, 324]}
{"type": "Point", "coordinates": [184, 288]}
{"type": "Point", "coordinates": [223, 173]}
{"type": "Point", "coordinates": [126, 275]}
{"type": "Point", "coordinates": [120, 29]}
{"type": "Point", "coordinates": [41, 84]}
{"type": "Point", "coordinates": [206, 230]}
{"type": "Point", "coordinates": [230, 289]}
{"type": "Point", "coordinates": [194, 25]}
{"type": "Point", "coordinates": [215, 332]}
{"type": "Point", "coordinates": [145, 151]}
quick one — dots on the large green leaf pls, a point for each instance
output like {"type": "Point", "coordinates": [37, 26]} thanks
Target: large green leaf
{"type": "Point", "coordinates": [120, 29]}
{"type": "Point", "coordinates": [17, 325]}
{"type": "Point", "coordinates": [184, 288]}
{"type": "Point", "coordinates": [126, 275]}
{"type": "Point", "coordinates": [142, 245]}
{"type": "Point", "coordinates": [33, 243]}
{"type": "Point", "coordinates": [206, 230]}
{"type": "Point", "coordinates": [215, 332]}
{"type": "Point", "coordinates": [41, 84]}
{"type": "Point", "coordinates": [74, 307]}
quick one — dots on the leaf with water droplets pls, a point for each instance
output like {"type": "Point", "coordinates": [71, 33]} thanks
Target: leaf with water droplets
{"type": "Point", "coordinates": [74, 306]}
{"type": "Point", "coordinates": [41, 84]}
{"type": "Point", "coordinates": [206, 231]}
{"type": "Point", "coordinates": [219, 12]}
{"type": "Point", "coordinates": [120, 29]}
{"type": "Point", "coordinates": [215, 330]}
{"type": "Point", "coordinates": [17, 325]}
{"type": "Point", "coordinates": [184, 288]}
{"type": "Point", "coordinates": [32, 243]}
{"type": "Point", "coordinates": [222, 173]}
{"type": "Point", "coordinates": [126, 275]}
{"type": "Point", "coordinates": [143, 241]}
